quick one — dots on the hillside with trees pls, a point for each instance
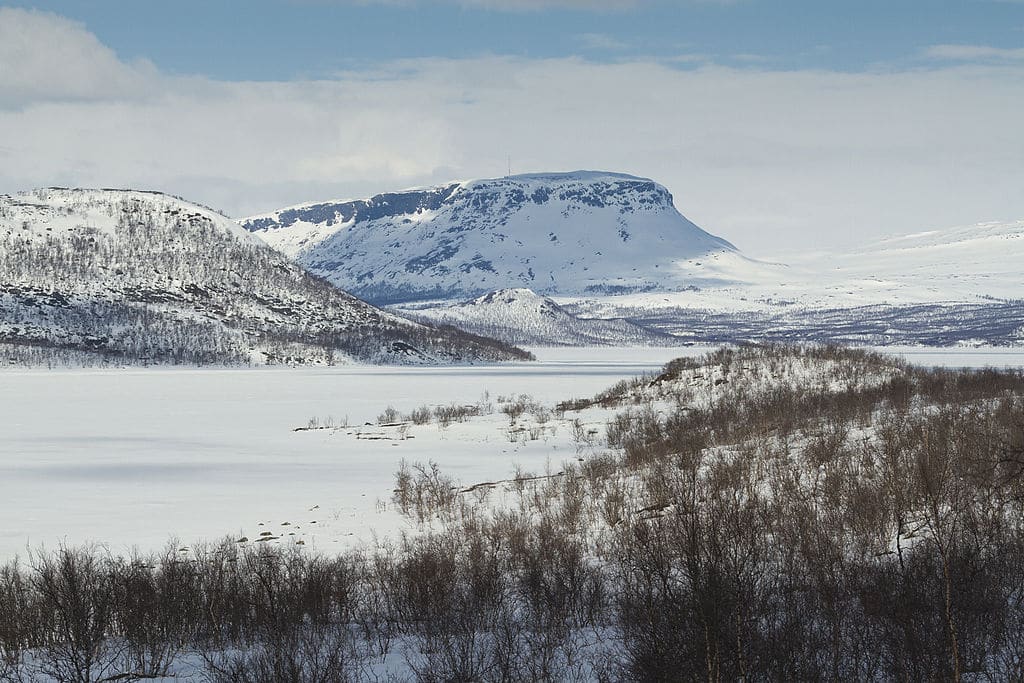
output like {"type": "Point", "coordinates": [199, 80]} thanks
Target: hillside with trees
{"type": "Point", "coordinates": [127, 277]}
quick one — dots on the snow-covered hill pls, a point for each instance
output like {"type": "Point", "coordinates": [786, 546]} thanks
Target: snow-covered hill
{"type": "Point", "coordinates": [962, 285]}
{"type": "Point", "coordinates": [582, 233]}
{"type": "Point", "coordinates": [520, 316]}
{"type": "Point", "coordinates": [144, 277]}
{"type": "Point", "coordinates": [973, 263]}
{"type": "Point", "coordinates": [965, 265]}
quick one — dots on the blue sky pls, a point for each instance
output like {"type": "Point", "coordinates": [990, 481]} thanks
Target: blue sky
{"type": "Point", "coordinates": [777, 124]}
{"type": "Point", "coordinates": [279, 40]}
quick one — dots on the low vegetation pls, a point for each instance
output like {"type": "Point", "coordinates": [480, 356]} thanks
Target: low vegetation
{"type": "Point", "coordinates": [768, 513]}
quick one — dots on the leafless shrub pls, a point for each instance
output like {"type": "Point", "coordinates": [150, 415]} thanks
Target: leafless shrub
{"type": "Point", "coordinates": [572, 405]}
{"type": "Point", "coordinates": [455, 413]}
{"type": "Point", "coordinates": [389, 416]}
{"type": "Point", "coordinates": [18, 620]}
{"type": "Point", "coordinates": [154, 608]}
{"type": "Point", "coordinates": [311, 653]}
{"type": "Point", "coordinates": [423, 492]}
{"type": "Point", "coordinates": [421, 415]}
{"type": "Point", "coordinates": [514, 410]}
{"type": "Point", "coordinates": [77, 599]}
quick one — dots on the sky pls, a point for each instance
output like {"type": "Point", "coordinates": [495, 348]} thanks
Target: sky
{"type": "Point", "coordinates": [776, 124]}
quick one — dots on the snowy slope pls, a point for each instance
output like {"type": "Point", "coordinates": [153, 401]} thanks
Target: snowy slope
{"type": "Point", "coordinates": [965, 265]}
{"type": "Point", "coordinates": [143, 277]}
{"type": "Point", "coordinates": [522, 317]}
{"type": "Point", "coordinates": [962, 285]}
{"type": "Point", "coordinates": [583, 233]}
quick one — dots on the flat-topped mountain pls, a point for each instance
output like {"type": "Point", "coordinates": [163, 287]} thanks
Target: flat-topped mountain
{"type": "Point", "coordinates": [558, 234]}
{"type": "Point", "coordinates": [134, 277]}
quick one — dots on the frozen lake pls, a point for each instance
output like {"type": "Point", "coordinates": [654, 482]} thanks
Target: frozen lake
{"type": "Point", "coordinates": [136, 457]}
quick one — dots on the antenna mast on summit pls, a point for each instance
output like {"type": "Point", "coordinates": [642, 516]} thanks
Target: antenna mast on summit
{"type": "Point", "coordinates": [509, 167]}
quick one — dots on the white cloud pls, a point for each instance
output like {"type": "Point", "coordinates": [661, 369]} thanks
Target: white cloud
{"type": "Point", "coordinates": [767, 159]}
{"type": "Point", "coordinates": [974, 53]}
{"type": "Point", "coordinates": [47, 57]}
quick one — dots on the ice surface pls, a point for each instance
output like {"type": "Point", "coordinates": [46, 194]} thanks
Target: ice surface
{"type": "Point", "coordinates": [134, 457]}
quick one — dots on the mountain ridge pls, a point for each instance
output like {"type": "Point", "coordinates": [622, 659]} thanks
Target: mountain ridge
{"type": "Point", "coordinates": [554, 233]}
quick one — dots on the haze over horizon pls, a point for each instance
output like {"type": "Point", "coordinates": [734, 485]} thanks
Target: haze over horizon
{"type": "Point", "coordinates": [775, 127]}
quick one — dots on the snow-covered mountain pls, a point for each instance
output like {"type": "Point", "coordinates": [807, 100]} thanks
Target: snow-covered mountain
{"type": "Point", "coordinates": [144, 277]}
{"type": "Point", "coordinates": [612, 246]}
{"type": "Point", "coordinates": [582, 233]}
{"type": "Point", "coordinates": [520, 316]}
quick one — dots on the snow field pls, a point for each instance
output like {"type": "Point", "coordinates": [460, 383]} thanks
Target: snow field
{"type": "Point", "coordinates": [137, 457]}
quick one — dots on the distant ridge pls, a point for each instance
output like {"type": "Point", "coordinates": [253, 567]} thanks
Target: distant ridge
{"type": "Point", "coordinates": [520, 316]}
